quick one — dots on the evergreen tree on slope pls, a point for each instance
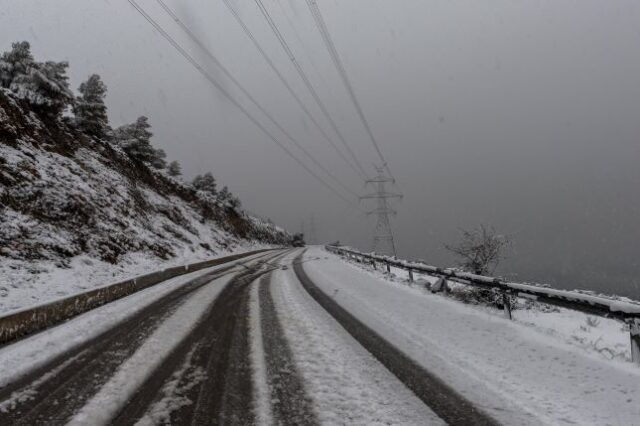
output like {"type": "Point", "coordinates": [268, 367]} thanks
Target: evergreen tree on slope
{"type": "Point", "coordinates": [44, 85]}
{"type": "Point", "coordinates": [135, 140]}
{"type": "Point", "coordinates": [90, 109]}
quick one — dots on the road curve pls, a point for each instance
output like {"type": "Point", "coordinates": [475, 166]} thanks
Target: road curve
{"type": "Point", "coordinates": [443, 400]}
{"type": "Point", "coordinates": [192, 357]}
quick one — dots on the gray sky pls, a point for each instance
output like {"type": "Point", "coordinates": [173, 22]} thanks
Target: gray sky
{"type": "Point", "coordinates": [520, 114]}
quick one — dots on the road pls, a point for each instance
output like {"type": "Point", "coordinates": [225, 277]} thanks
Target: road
{"type": "Point", "coordinates": [256, 342]}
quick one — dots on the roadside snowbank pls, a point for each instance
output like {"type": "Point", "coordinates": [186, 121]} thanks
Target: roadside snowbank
{"type": "Point", "coordinates": [515, 372]}
{"type": "Point", "coordinates": [29, 283]}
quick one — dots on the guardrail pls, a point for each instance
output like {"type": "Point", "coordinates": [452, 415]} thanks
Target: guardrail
{"type": "Point", "coordinates": [595, 305]}
{"type": "Point", "coordinates": [29, 320]}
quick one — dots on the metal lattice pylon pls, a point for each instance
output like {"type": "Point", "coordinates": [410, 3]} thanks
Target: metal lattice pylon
{"type": "Point", "coordinates": [383, 236]}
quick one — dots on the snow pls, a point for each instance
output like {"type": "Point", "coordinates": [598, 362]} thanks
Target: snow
{"type": "Point", "coordinates": [613, 304]}
{"type": "Point", "coordinates": [524, 371]}
{"type": "Point", "coordinates": [262, 396]}
{"type": "Point", "coordinates": [76, 219]}
{"type": "Point", "coordinates": [24, 356]}
{"type": "Point", "coordinates": [114, 395]}
{"type": "Point", "coordinates": [345, 382]}
{"type": "Point", "coordinates": [173, 393]}
{"type": "Point", "coordinates": [29, 392]}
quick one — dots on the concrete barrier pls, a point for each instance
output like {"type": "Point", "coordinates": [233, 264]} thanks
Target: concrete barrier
{"type": "Point", "coordinates": [24, 322]}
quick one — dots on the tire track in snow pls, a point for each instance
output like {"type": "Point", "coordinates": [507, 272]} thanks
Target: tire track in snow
{"type": "Point", "coordinates": [346, 383]}
{"type": "Point", "coordinates": [291, 405]}
{"type": "Point", "coordinates": [218, 347]}
{"type": "Point", "coordinates": [443, 400]}
{"type": "Point", "coordinates": [68, 385]}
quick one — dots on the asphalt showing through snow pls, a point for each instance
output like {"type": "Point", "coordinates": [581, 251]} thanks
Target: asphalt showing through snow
{"type": "Point", "coordinates": [291, 404]}
{"type": "Point", "coordinates": [207, 378]}
{"type": "Point", "coordinates": [56, 397]}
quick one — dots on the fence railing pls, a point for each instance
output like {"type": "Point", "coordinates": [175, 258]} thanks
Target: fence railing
{"type": "Point", "coordinates": [595, 305]}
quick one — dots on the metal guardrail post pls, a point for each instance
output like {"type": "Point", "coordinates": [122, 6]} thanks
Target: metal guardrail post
{"type": "Point", "coordinates": [410, 274]}
{"type": "Point", "coordinates": [506, 305]}
{"type": "Point", "coordinates": [373, 263]}
{"type": "Point", "coordinates": [388, 267]}
{"type": "Point", "coordinates": [634, 335]}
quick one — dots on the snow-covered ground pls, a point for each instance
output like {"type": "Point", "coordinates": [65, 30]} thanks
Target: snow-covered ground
{"type": "Point", "coordinates": [346, 383]}
{"type": "Point", "coordinates": [24, 284]}
{"type": "Point", "coordinates": [20, 358]}
{"type": "Point", "coordinates": [541, 368]}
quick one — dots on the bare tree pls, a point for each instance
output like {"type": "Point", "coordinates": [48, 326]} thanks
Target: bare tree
{"type": "Point", "coordinates": [480, 250]}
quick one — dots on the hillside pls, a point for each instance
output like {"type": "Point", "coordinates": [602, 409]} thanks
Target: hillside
{"type": "Point", "coordinates": [77, 211]}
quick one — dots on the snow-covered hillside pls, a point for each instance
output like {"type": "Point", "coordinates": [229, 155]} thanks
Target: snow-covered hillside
{"type": "Point", "coordinates": [77, 212]}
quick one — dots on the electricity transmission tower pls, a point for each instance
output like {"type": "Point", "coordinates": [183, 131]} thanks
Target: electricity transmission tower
{"type": "Point", "coordinates": [383, 237]}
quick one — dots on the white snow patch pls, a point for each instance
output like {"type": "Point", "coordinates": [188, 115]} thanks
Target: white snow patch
{"type": "Point", "coordinates": [262, 394]}
{"type": "Point", "coordinates": [512, 370]}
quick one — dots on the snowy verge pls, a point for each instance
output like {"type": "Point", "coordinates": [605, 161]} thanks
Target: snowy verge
{"type": "Point", "coordinates": [345, 382]}
{"type": "Point", "coordinates": [609, 304]}
{"type": "Point", "coordinates": [24, 356]}
{"type": "Point", "coordinates": [517, 374]}
{"type": "Point", "coordinates": [27, 284]}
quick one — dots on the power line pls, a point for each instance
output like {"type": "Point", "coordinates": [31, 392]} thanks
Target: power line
{"type": "Point", "coordinates": [326, 37]}
{"type": "Point", "coordinates": [215, 60]}
{"type": "Point", "coordinates": [307, 83]}
{"type": "Point", "coordinates": [222, 90]}
{"type": "Point", "coordinates": [255, 42]}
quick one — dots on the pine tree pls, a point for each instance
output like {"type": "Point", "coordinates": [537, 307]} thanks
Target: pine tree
{"type": "Point", "coordinates": [15, 62]}
{"type": "Point", "coordinates": [135, 140]}
{"type": "Point", "coordinates": [158, 160]}
{"type": "Point", "coordinates": [174, 169]}
{"type": "Point", "coordinates": [205, 183]}
{"type": "Point", "coordinates": [234, 202]}
{"type": "Point", "coordinates": [224, 194]}
{"type": "Point", "coordinates": [44, 85]}
{"type": "Point", "coordinates": [90, 110]}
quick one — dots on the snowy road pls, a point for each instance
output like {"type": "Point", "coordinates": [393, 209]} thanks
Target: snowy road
{"type": "Point", "coordinates": [275, 339]}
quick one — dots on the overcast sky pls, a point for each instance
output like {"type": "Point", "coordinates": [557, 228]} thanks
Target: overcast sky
{"type": "Point", "coordinates": [524, 115]}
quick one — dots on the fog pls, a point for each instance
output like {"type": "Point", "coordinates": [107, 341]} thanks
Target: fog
{"type": "Point", "coordinates": [523, 115]}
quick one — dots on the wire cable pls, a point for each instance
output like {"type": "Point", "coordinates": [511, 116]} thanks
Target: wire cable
{"type": "Point", "coordinates": [255, 42]}
{"type": "Point", "coordinates": [326, 37]}
{"type": "Point", "coordinates": [211, 56]}
{"type": "Point", "coordinates": [307, 83]}
{"type": "Point", "coordinates": [222, 90]}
